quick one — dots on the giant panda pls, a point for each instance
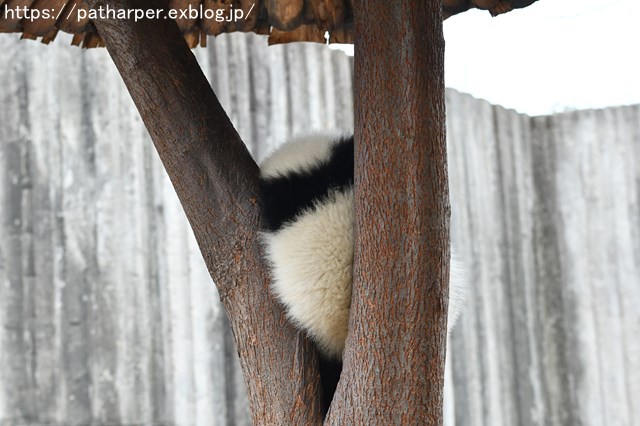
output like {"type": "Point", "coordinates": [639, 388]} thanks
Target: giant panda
{"type": "Point", "coordinates": [306, 190]}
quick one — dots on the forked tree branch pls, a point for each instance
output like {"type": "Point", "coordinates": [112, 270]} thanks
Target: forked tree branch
{"type": "Point", "coordinates": [216, 180]}
{"type": "Point", "coordinates": [394, 359]}
{"type": "Point", "coordinates": [395, 352]}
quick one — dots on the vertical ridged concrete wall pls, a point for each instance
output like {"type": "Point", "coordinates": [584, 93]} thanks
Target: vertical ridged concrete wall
{"type": "Point", "coordinates": [108, 315]}
{"type": "Point", "coordinates": [546, 212]}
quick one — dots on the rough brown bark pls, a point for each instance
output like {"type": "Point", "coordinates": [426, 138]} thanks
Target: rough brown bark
{"type": "Point", "coordinates": [495, 7]}
{"type": "Point", "coordinates": [394, 359]}
{"type": "Point", "coordinates": [285, 14]}
{"type": "Point", "coordinates": [394, 363]}
{"type": "Point", "coordinates": [216, 181]}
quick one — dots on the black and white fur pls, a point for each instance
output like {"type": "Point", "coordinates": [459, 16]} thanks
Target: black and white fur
{"type": "Point", "coordinates": [307, 201]}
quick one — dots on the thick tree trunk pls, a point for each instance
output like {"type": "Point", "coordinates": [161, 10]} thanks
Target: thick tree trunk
{"type": "Point", "coordinates": [216, 181]}
{"type": "Point", "coordinates": [394, 358]}
{"type": "Point", "coordinates": [394, 361]}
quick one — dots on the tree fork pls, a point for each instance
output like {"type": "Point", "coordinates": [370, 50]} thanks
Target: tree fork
{"type": "Point", "coordinates": [217, 183]}
{"type": "Point", "coordinates": [394, 359]}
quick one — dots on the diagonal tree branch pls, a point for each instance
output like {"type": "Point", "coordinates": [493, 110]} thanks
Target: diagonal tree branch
{"type": "Point", "coordinates": [216, 180]}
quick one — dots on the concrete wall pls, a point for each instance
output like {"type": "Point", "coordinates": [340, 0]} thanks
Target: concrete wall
{"type": "Point", "coordinates": [546, 211]}
{"type": "Point", "coordinates": [108, 315]}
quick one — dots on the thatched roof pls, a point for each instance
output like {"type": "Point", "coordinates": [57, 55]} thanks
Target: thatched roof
{"type": "Point", "coordinates": [283, 21]}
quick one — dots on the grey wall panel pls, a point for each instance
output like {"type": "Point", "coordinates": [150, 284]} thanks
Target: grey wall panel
{"type": "Point", "coordinates": [108, 315]}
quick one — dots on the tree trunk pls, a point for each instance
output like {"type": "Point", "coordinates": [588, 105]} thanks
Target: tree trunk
{"type": "Point", "coordinates": [394, 359]}
{"type": "Point", "coordinates": [217, 182]}
{"type": "Point", "coordinates": [394, 362]}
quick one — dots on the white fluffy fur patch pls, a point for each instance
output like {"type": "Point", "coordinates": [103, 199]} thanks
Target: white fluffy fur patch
{"type": "Point", "coordinates": [312, 266]}
{"type": "Point", "coordinates": [311, 258]}
{"type": "Point", "coordinates": [457, 288]}
{"type": "Point", "coordinates": [299, 154]}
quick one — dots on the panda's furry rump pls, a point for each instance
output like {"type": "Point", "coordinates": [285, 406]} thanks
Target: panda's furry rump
{"type": "Point", "coordinates": [308, 231]}
{"type": "Point", "coordinates": [307, 201]}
